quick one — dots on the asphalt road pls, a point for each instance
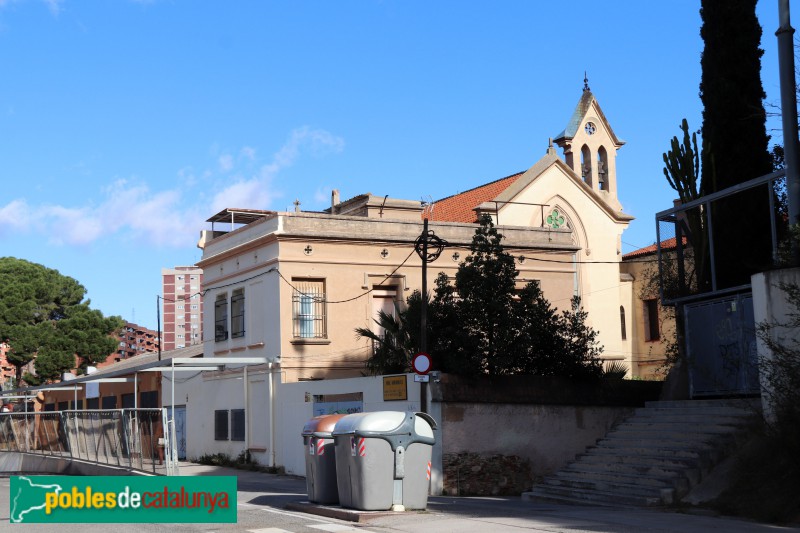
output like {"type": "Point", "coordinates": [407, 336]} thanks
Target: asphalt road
{"type": "Point", "coordinates": [262, 500]}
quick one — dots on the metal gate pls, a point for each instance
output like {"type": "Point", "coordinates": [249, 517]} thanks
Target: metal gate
{"type": "Point", "coordinates": [180, 431]}
{"type": "Point", "coordinates": [721, 347]}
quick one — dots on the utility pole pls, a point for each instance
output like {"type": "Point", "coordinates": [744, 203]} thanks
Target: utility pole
{"type": "Point", "coordinates": [158, 314]}
{"type": "Point", "coordinates": [423, 334]}
{"type": "Point", "coordinates": [429, 247]}
{"type": "Point", "coordinates": [785, 35]}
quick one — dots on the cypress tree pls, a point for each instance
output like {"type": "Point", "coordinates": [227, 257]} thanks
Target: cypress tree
{"type": "Point", "coordinates": [734, 137]}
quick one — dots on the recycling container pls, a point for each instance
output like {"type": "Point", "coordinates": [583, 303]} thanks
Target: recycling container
{"type": "Point", "coordinates": [320, 459]}
{"type": "Point", "coordinates": [383, 460]}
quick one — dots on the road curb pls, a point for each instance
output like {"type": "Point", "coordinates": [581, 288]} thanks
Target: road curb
{"type": "Point", "coordinates": [340, 513]}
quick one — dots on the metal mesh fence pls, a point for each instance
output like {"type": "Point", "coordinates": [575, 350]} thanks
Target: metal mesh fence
{"type": "Point", "coordinates": [139, 439]}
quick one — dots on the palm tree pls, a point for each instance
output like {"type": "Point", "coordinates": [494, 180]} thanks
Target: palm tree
{"type": "Point", "coordinates": [395, 345]}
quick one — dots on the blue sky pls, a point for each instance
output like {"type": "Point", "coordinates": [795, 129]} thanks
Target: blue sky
{"type": "Point", "coordinates": [125, 124]}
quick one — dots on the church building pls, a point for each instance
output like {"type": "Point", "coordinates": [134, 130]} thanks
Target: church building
{"type": "Point", "coordinates": [561, 219]}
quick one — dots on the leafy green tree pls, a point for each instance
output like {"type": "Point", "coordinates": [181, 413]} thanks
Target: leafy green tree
{"type": "Point", "coordinates": [480, 324]}
{"type": "Point", "coordinates": [497, 329]}
{"type": "Point", "coordinates": [42, 314]}
{"type": "Point", "coordinates": [538, 345]}
{"type": "Point", "coordinates": [86, 332]}
{"type": "Point", "coordinates": [580, 357]}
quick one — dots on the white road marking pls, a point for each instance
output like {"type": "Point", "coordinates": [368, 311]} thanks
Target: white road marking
{"type": "Point", "coordinates": [338, 528]}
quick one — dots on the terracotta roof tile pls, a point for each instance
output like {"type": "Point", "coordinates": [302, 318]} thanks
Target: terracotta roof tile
{"type": "Point", "coordinates": [460, 207]}
{"type": "Point", "coordinates": [669, 244]}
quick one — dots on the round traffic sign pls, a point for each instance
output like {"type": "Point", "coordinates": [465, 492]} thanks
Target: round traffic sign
{"type": "Point", "coordinates": [421, 363]}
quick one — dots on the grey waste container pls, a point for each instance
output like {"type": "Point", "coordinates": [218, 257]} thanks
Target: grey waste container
{"type": "Point", "coordinates": [321, 459]}
{"type": "Point", "coordinates": [383, 460]}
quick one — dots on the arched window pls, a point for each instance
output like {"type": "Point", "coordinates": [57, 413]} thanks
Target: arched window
{"type": "Point", "coordinates": [602, 169]}
{"type": "Point", "coordinates": [586, 164]}
{"type": "Point", "coordinates": [622, 322]}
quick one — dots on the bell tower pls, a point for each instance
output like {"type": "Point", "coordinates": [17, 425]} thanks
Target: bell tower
{"type": "Point", "coordinates": [590, 147]}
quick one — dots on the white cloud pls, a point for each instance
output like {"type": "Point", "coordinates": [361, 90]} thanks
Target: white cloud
{"type": "Point", "coordinates": [254, 193]}
{"type": "Point", "coordinates": [225, 163]}
{"type": "Point", "coordinates": [257, 192]}
{"type": "Point", "coordinates": [16, 215]}
{"type": "Point", "coordinates": [155, 217]}
{"type": "Point", "coordinates": [248, 152]}
{"type": "Point", "coordinates": [130, 210]}
{"type": "Point", "coordinates": [71, 225]}
{"type": "Point", "coordinates": [54, 6]}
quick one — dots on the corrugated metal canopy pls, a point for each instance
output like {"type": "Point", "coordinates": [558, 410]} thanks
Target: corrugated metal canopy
{"type": "Point", "coordinates": [239, 216]}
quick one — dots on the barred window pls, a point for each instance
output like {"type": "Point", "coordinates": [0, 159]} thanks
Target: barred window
{"type": "Point", "coordinates": [308, 309]}
{"type": "Point", "coordinates": [221, 318]}
{"type": "Point", "coordinates": [237, 424]}
{"type": "Point", "coordinates": [221, 424]}
{"type": "Point", "coordinates": [237, 313]}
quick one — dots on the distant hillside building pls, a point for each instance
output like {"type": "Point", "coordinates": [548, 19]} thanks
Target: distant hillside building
{"type": "Point", "coordinates": [133, 340]}
{"type": "Point", "coordinates": [182, 316]}
{"type": "Point", "coordinates": [7, 370]}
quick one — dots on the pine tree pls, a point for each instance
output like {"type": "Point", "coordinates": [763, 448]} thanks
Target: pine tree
{"type": "Point", "coordinates": [481, 324]}
{"type": "Point", "coordinates": [485, 283]}
{"type": "Point", "coordinates": [43, 314]}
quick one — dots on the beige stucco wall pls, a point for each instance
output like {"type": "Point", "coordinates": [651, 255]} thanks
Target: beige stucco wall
{"type": "Point", "coordinates": [549, 436]}
{"type": "Point", "coordinates": [348, 254]}
{"type": "Point", "coordinates": [598, 235]}
{"type": "Point", "coordinates": [771, 305]}
{"type": "Point", "coordinates": [647, 357]}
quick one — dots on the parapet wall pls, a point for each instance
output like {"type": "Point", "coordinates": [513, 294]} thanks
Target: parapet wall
{"type": "Point", "coordinates": [15, 463]}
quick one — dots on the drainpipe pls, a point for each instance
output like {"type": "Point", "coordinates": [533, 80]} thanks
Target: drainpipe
{"type": "Point", "coordinates": [271, 419]}
{"type": "Point", "coordinates": [246, 413]}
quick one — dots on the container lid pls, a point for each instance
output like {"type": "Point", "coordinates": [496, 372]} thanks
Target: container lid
{"type": "Point", "coordinates": [321, 425]}
{"type": "Point", "coordinates": [398, 428]}
{"type": "Point", "coordinates": [379, 422]}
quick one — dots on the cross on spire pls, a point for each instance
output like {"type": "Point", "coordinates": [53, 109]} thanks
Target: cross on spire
{"type": "Point", "coordinates": [585, 81]}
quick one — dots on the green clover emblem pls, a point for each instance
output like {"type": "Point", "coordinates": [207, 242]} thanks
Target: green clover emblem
{"type": "Point", "coordinates": [555, 219]}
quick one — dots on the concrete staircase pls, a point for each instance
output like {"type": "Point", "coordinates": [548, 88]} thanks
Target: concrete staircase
{"type": "Point", "coordinates": [652, 458]}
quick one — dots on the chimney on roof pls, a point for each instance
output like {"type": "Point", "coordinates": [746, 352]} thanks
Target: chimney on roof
{"type": "Point", "coordinates": [550, 148]}
{"type": "Point", "coordinates": [334, 199]}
